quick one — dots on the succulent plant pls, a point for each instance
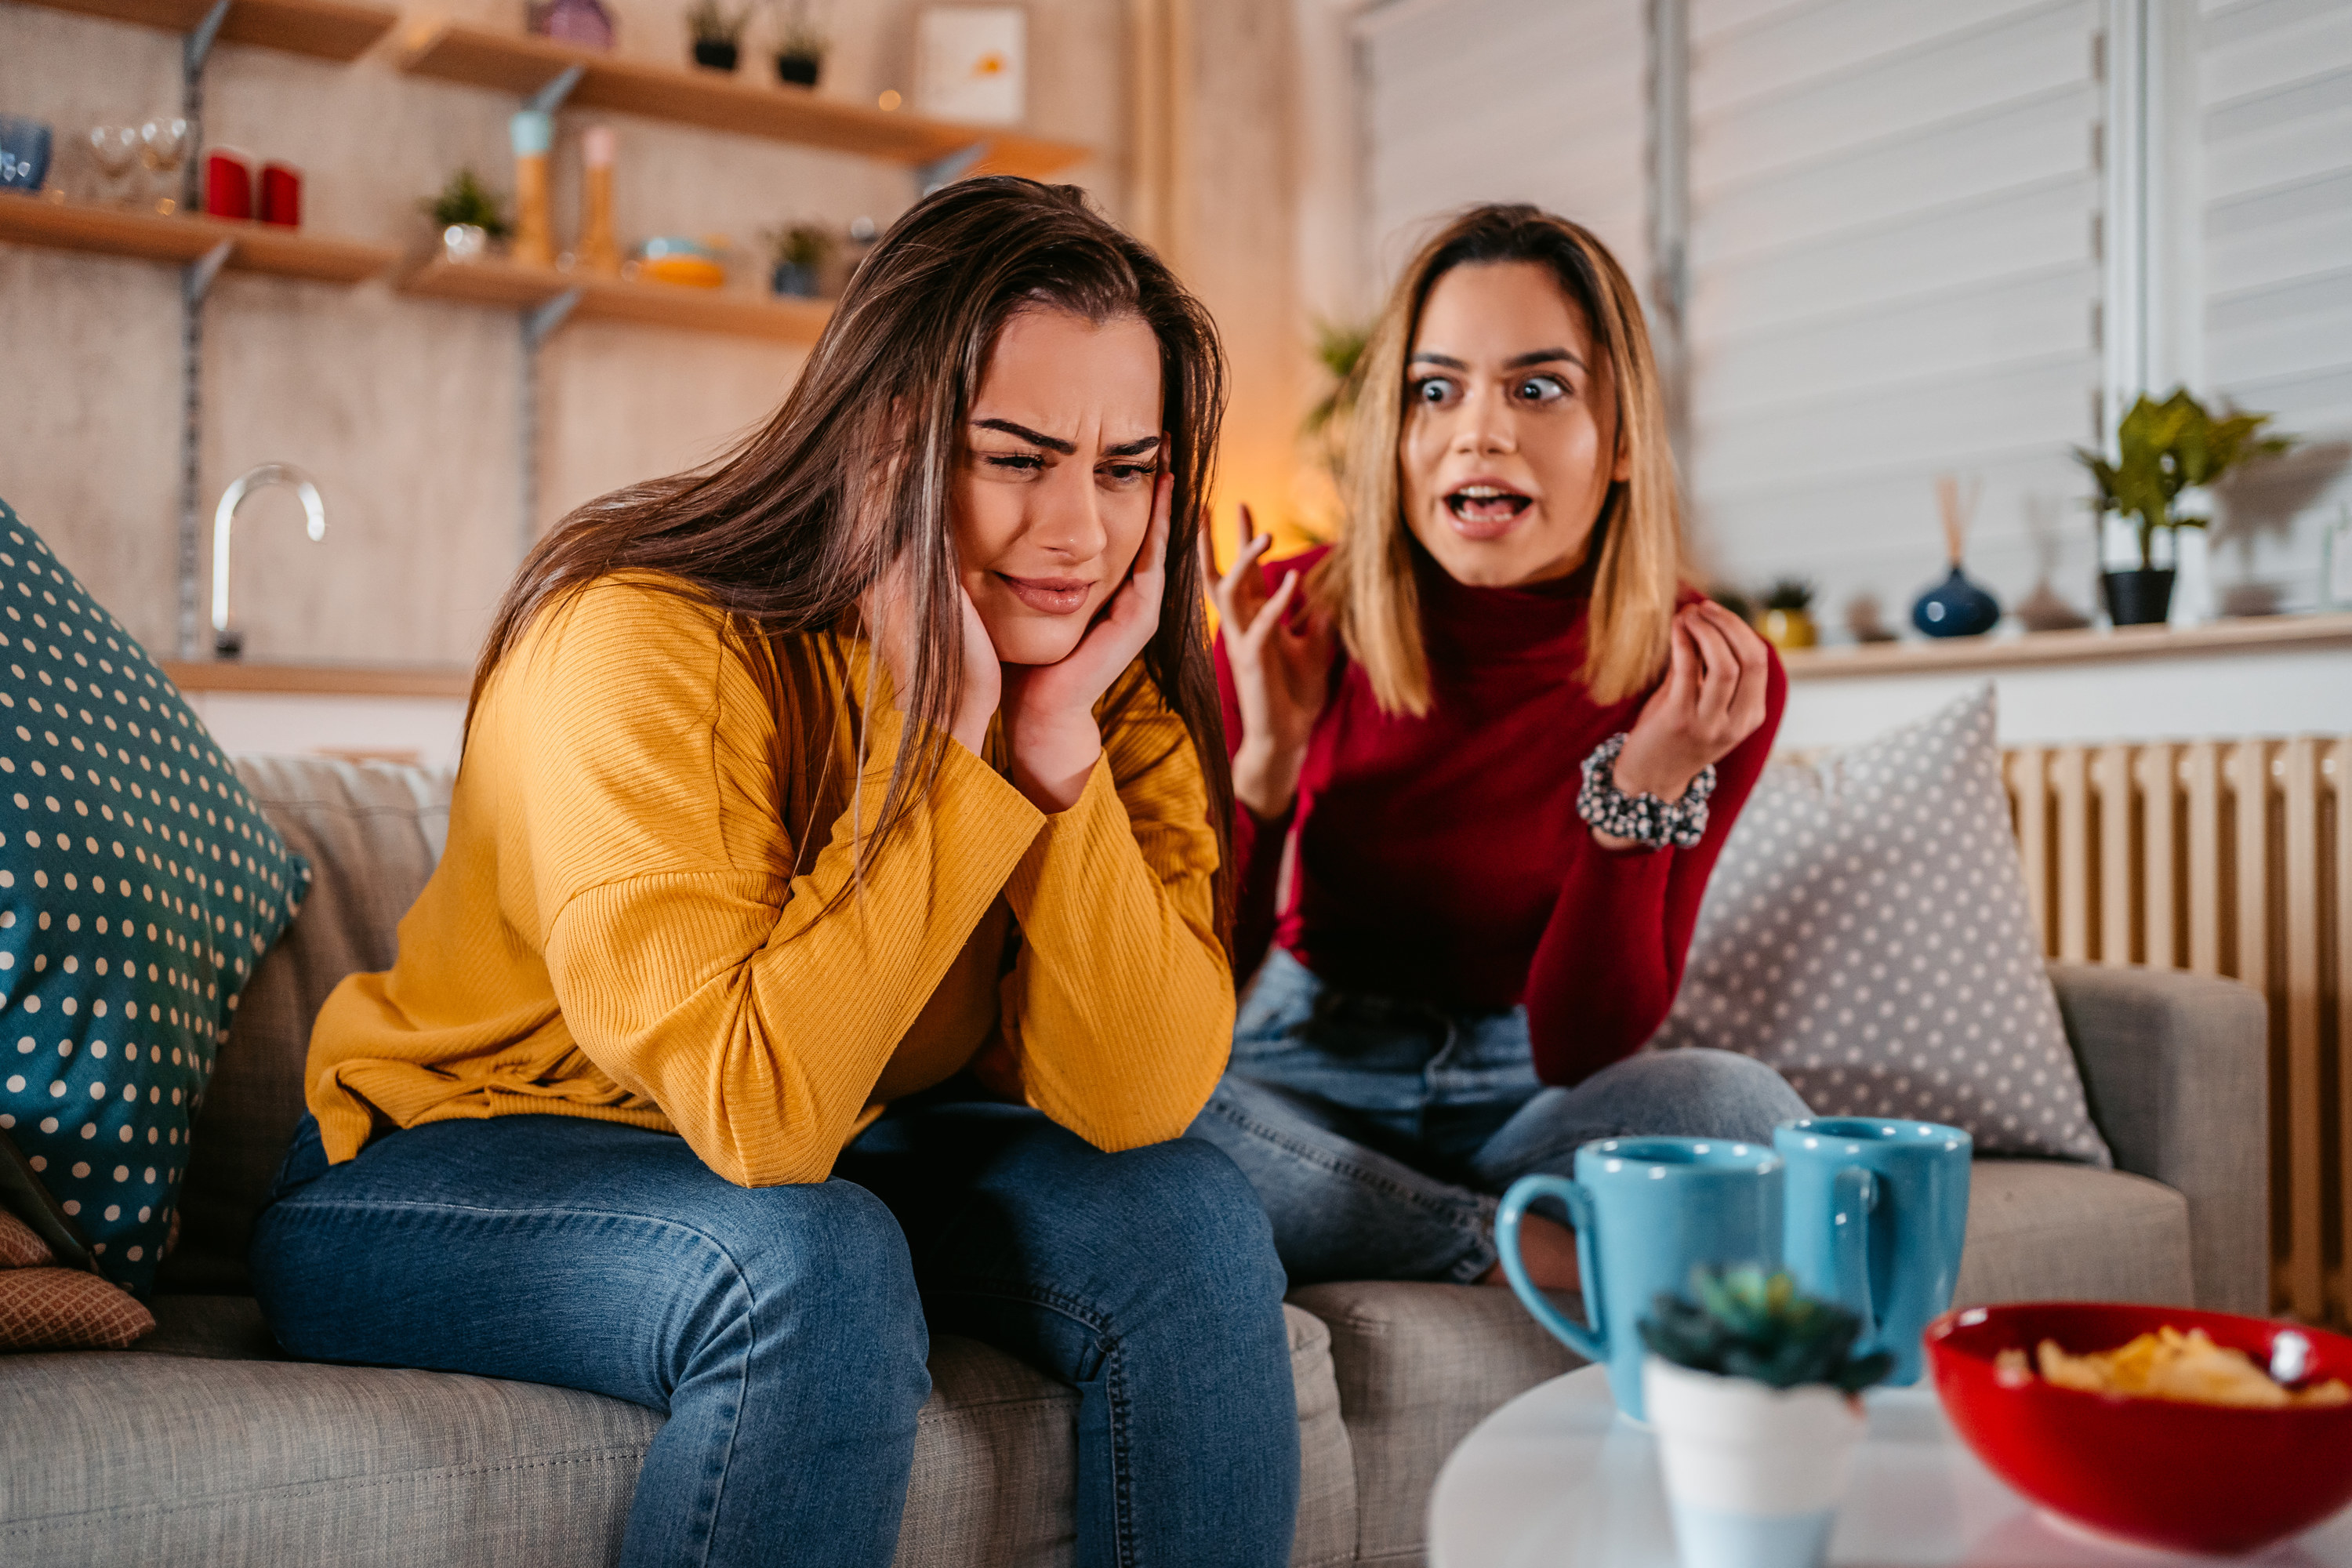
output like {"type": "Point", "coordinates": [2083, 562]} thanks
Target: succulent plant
{"type": "Point", "coordinates": [1789, 594]}
{"type": "Point", "coordinates": [1741, 1323]}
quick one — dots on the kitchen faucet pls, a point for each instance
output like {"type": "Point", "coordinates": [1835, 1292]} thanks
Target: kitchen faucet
{"type": "Point", "coordinates": [227, 644]}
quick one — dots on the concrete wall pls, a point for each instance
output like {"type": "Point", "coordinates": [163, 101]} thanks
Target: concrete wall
{"type": "Point", "coordinates": [406, 409]}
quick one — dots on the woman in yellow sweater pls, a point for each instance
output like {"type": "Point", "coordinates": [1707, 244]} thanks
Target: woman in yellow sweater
{"type": "Point", "coordinates": [803, 796]}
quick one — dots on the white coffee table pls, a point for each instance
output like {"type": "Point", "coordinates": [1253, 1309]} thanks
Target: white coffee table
{"type": "Point", "coordinates": [1554, 1480]}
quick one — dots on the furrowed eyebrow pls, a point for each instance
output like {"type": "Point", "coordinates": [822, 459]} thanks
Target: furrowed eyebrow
{"type": "Point", "coordinates": [1445, 361]}
{"type": "Point", "coordinates": [1542, 356]}
{"type": "Point", "coordinates": [1134, 449]}
{"type": "Point", "coordinates": [1068, 448]}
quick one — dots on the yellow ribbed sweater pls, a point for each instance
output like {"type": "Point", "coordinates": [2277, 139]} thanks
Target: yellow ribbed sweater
{"type": "Point", "coordinates": [619, 928]}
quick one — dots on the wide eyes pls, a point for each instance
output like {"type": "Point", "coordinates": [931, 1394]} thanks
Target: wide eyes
{"type": "Point", "coordinates": [1443, 391]}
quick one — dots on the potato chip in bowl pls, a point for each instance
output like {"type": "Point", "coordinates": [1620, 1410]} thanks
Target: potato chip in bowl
{"type": "Point", "coordinates": [2158, 1426]}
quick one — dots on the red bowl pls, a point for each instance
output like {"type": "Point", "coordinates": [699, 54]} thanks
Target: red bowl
{"type": "Point", "coordinates": [2193, 1478]}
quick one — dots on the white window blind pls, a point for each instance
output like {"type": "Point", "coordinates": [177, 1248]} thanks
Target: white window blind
{"type": "Point", "coordinates": [2273, 88]}
{"type": "Point", "coordinates": [1894, 274]}
{"type": "Point", "coordinates": [1510, 100]}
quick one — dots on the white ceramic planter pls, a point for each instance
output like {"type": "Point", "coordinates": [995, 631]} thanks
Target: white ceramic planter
{"type": "Point", "coordinates": [1754, 1475]}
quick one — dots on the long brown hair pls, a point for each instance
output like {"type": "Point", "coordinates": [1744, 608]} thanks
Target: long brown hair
{"type": "Point", "coordinates": [857, 470]}
{"type": "Point", "coordinates": [1366, 584]}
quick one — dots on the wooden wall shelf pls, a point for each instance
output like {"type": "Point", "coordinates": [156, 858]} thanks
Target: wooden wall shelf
{"type": "Point", "coordinates": [520, 64]}
{"type": "Point", "coordinates": [327, 29]}
{"type": "Point", "coordinates": [2040, 649]}
{"type": "Point", "coordinates": [254, 246]}
{"type": "Point", "coordinates": [503, 283]}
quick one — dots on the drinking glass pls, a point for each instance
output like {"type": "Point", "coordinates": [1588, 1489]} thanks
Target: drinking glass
{"type": "Point", "coordinates": [116, 149]}
{"type": "Point", "coordinates": [163, 147]}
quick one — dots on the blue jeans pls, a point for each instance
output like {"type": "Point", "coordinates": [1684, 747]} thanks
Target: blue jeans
{"type": "Point", "coordinates": [782, 1330]}
{"type": "Point", "coordinates": [1380, 1134]}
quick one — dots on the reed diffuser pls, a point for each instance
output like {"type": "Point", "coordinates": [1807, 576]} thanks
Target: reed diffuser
{"type": "Point", "coordinates": [1955, 607]}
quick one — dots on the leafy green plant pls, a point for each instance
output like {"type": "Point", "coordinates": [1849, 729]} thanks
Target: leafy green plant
{"type": "Point", "coordinates": [800, 243]}
{"type": "Point", "coordinates": [802, 35]}
{"type": "Point", "coordinates": [2164, 448]}
{"type": "Point", "coordinates": [1789, 594]}
{"type": "Point", "coordinates": [1338, 348]}
{"type": "Point", "coordinates": [1744, 1324]}
{"type": "Point", "coordinates": [711, 23]}
{"type": "Point", "coordinates": [464, 199]}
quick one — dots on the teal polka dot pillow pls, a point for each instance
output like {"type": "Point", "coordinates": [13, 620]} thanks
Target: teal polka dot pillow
{"type": "Point", "coordinates": [139, 887]}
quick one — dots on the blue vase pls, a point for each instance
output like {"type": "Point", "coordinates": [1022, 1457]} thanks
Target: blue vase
{"type": "Point", "coordinates": [23, 152]}
{"type": "Point", "coordinates": [794, 280]}
{"type": "Point", "coordinates": [1955, 607]}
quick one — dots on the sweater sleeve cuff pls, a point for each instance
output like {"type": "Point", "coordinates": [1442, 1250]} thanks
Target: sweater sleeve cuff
{"type": "Point", "coordinates": [1096, 818]}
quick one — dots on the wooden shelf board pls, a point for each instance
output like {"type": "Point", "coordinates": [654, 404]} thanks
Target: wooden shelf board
{"type": "Point", "coordinates": [718, 100]}
{"type": "Point", "coordinates": [320, 679]}
{"type": "Point", "coordinates": [2103, 644]}
{"type": "Point", "coordinates": [327, 29]}
{"type": "Point", "coordinates": [255, 247]}
{"type": "Point", "coordinates": [503, 283]}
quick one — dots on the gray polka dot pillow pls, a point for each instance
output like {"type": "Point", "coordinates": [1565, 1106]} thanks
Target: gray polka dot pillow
{"type": "Point", "coordinates": [1867, 933]}
{"type": "Point", "coordinates": [139, 887]}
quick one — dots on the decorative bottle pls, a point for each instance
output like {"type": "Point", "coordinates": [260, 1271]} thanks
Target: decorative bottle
{"type": "Point", "coordinates": [533, 134]}
{"type": "Point", "coordinates": [597, 251]}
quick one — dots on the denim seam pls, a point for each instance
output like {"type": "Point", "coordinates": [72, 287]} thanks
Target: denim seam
{"type": "Point", "coordinates": [1115, 1392]}
{"type": "Point", "coordinates": [1447, 1209]}
{"type": "Point", "coordinates": [709, 1522]}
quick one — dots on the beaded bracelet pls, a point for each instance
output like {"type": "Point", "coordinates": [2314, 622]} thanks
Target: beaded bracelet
{"type": "Point", "coordinates": [1643, 818]}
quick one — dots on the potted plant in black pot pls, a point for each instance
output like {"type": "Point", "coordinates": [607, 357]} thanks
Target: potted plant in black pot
{"type": "Point", "coordinates": [2163, 449]}
{"type": "Point", "coordinates": [798, 253]}
{"type": "Point", "coordinates": [800, 49]}
{"type": "Point", "coordinates": [718, 33]}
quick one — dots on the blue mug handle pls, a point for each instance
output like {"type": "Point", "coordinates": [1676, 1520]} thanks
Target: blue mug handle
{"type": "Point", "coordinates": [1586, 1341]}
{"type": "Point", "coordinates": [1853, 1193]}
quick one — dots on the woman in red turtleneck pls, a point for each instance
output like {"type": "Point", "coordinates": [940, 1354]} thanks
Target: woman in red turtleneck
{"type": "Point", "coordinates": [1486, 751]}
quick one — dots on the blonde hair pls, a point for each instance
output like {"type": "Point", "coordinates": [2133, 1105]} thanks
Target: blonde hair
{"type": "Point", "coordinates": [1366, 584]}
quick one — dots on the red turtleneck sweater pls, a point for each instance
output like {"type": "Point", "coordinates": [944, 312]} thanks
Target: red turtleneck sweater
{"type": "Point", "coordinates": [1441, 858]}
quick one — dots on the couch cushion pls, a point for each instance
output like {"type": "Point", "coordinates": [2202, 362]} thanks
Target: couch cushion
{"type": "Point", "coordinates": [189, 1458]}
{"type": "Point", "coordinates": [1417, 1366]}
{"type": "Point", "coordinates": [141, 888]}
{"type": "Point", "coordinates": [2041, 1230]}
{"type": "Point", "coordinates": [372, 835]}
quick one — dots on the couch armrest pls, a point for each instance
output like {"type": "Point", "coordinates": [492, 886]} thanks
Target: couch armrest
{"type": "Point", "coordinates": [2177, 1070]}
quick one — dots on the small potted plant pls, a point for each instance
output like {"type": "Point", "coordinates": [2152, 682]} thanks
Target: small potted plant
{"type": "Point", "coordinates": [1752, 1389]}
{"type": "Point", "coordinates": [2163, 449]}
{"type": "Point", "coordinates": [799, 252]}
{"type": "Point", "coordinates": [1788, 620]}
{"type": "Point", "coordinates": [800, 52]}
{"type": "Point", "coordinates": [467, 217]}
{"type": "Point", "coordinates": [718, 33]}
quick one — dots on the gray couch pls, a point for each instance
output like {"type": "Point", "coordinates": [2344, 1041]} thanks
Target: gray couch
{"type": "Point", "coordinates": [204, 1446]}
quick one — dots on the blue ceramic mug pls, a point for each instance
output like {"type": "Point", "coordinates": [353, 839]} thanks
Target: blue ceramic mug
{"type": "Point", "coordinates": [1876, 1212]}
{"type": "Point", "coordinates": [1647, 1211]}
{"type": "Point", "coordinates": [24, 153]}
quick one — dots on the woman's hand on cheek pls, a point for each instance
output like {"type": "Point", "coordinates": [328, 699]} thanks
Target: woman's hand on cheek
{"type": "Point", "coordinates": [892, 624]}
{"type": "Point", "coordinates": [1049, 709]}
{"type": "Point", "coordinates": [1713, 700]}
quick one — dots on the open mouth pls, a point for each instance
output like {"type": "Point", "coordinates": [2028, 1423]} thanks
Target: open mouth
{"type": "Point", "coordinates": [1053, 595]}
{"type": "Point", "coordinates": [1484, 511]}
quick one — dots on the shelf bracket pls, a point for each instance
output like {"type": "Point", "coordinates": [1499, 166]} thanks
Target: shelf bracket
{"type": "Point", "coordinates": [198, 281]}
{"type": "Point", "coordinates": [198, 47]}
{"type": "Point", "coordinates": [948, 170]}
{"type": "Point", "coordinates": [540, 322]}
{"type": "Point", "coordinates": [549, 99]}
